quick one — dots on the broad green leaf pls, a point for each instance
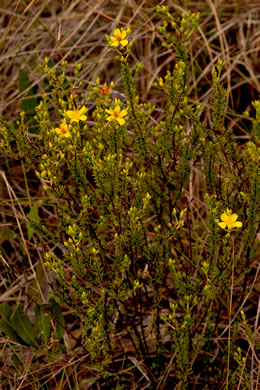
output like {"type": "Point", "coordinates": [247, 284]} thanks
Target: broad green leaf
{"type": "Point", "coordinates": [6, 328]}
{"type": "Point", "coordinates": [43, 323]}
{"type": "Point", "coordinates": [60, 321]}
{"type": "Point", "coordinates": [6, 325]}
{"type": "Point", "coordinates": [6, 311]}
{"type": "Point", "coordinates": [29, 103]}
{"type": "Point", "coordinates": [23, 327]}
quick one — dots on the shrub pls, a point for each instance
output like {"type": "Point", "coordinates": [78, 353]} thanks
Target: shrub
{"type": "Point", "coordinates": [156, 223]}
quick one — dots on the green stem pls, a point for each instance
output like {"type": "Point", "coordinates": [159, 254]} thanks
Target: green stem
{"type": "Point", "coordinates": [230, 311]}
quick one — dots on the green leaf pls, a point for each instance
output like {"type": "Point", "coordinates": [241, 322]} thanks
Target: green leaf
{"type": "Point", "coordinates": [6, 311]}
{"type": "Point", "coordinates": [60, 321]}
{"type": "Point", "coordinates": [43, 323]}
{"type": "Point", "coordinates": [53, 356]}
{"type": "Point", "coordinates": [33, 218]}
{"type": "Point", "coordinates": [6, 234]}
{"type": "Point", "coordinates": [23, 327]}
{"type": "Point", "coordinates": [6, 328]}
{"type": "Point", "coordinates": [33, 290]}
{"type": "Point", "coordinates": [6, 325]}
{"type": "Point", "coordinates": [28, 104]}
{"type": "Point", "coordinates": [17, 363]}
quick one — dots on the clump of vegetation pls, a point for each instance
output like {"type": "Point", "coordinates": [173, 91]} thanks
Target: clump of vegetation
{"type": "Point", "coordinates": [146, 266]}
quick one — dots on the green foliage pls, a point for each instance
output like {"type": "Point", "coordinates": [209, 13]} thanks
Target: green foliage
{"type": "Point", "coordinates": [6, 324]}
{"type": "Point", "coordinates": [43, 323]}
{"type": "Point", "coordinates": [138, 264]}
{"type": "Point", "coordinates": [23, 327]}
{"type": "Point", "coordinates": [33, 218]}
{"type": "Point", "coordinates": [16, 324]}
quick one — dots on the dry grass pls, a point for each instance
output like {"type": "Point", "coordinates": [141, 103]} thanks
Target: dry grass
{"type": "Point", "coordinates": [74, 30]}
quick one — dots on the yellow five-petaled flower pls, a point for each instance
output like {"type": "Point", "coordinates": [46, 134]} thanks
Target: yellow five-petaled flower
{"type": "Point", "coordinates": [119, 37]}
{"type": "Point", "coordinates": [229, 220]}
{"type": "Point", "coordinates": [116, 113]}
{"type": "Point", "coordinates": [77, 115]}
{"type": "Point", "coordinates": [63, 130]}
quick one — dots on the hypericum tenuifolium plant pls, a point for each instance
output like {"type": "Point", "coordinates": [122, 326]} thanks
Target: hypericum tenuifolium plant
{"type": "Point", "coordinates": [157, 224]}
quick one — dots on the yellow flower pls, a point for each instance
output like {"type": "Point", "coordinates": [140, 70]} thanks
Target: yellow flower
{"type": "Point", "coordinates": [229, 220]}
{"type": "Point", "coordinates": [116, 113]}
{"type": "Point", "coordinates": [119, 37]}
{"type": "Point", "coordinates": [63, 130]}
{"type": "Point", "coordinates": [77, 115]}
